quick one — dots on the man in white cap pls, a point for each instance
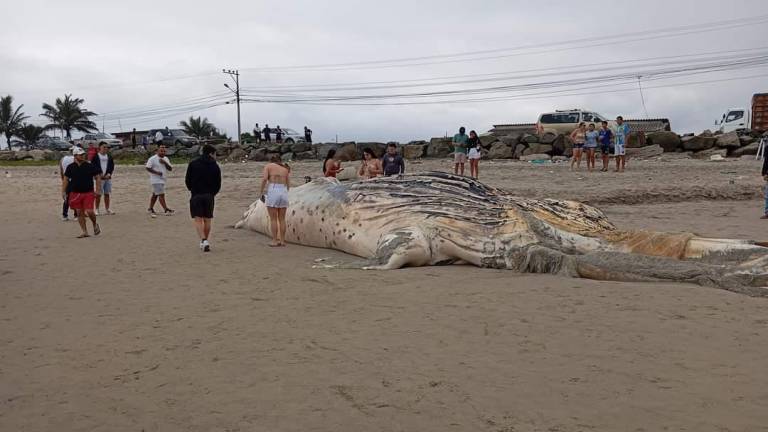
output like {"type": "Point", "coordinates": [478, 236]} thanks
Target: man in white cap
{"type": "Point", "coordinates": [79, 181]}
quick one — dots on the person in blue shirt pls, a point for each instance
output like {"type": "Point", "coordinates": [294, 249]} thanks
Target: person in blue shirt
{"type": "Point", "coordinates": [590, 145]}
{"type": "Point", "coordinates": [620, 138]}
{"type": "Point", "coordinates": [605, 138]}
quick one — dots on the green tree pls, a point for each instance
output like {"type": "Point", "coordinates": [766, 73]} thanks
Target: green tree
{"type": "Point", "coordinates": [68, 114]}
{"type": "Point", "coordinates": [197, 127]}
{"type": "Point", "coordinates": [30, 134]}
{"type": "Point", "coordinates": [10, 119]}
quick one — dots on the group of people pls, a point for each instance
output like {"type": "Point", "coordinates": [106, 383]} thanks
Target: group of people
{"type": "Point", "coordinates": [609, 140]}
{"type": "Point", "coordinates": [265, 134]}
{"type": "Point", "coordinates": [391, 163]}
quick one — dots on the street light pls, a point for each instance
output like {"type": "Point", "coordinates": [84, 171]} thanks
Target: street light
{"type": "Point", "coordinates": [235, 75]}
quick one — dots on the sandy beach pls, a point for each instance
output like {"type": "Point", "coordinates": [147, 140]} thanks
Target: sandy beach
{"type": "Point", "coordinates": [137, 330]}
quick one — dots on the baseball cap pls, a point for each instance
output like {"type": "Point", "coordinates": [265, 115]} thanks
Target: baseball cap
{"type": "Point", "coordinates": [77, 151]}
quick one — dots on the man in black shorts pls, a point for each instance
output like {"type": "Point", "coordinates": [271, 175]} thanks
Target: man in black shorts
{"type": "Point", "coordinates": [203, 180]}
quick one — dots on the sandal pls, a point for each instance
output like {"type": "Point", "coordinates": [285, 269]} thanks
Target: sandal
{"type": "Point", "coordinates": [84, 235]}
{"type": "Point", "coordinates": [96, 230]}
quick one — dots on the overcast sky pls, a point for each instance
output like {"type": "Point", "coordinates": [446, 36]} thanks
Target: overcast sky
{"type": "Point", "coordinates": [123, 57]}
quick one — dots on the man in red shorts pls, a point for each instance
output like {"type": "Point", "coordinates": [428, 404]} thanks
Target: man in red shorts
{"type": "Point", "coordinates": [79, 176]}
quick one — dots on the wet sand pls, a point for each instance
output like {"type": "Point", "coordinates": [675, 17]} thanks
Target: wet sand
{"type": "Point", "coordinates": [138, 330]}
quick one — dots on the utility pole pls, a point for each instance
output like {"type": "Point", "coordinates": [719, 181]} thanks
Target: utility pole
{"type": "Point", "coordinates": [235, 75]}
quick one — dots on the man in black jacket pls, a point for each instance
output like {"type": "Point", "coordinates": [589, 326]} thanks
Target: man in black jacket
{"type": "Point", "coordinates": [765, 177]}
{"type": "Point", "coordinates": [203, 180]}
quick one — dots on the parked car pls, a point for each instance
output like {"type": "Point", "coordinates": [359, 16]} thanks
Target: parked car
{"type": "Point", "coordinates": [565, 121]}
{"type": "Point", "coordinates": [96, 139]}
{"type": "Point", "coordinates": [53, 143]}
{"type": "Point", "coordinates": [290, 136]}
{"type": "Point", "coordinates": [735, 119]}
{"type": "Point", "coordinates": [173, 137]}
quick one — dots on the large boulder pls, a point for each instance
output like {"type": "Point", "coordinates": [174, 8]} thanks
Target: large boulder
{"type": "Point", "coordinates": [237, 154]}
{"type": "Point", "coordinates": [22, 155]}
{"type": "Point", "coordinates": [636, 140]}
{"type": "Point", "coordinates": [7, 155]}
{"type": "Point", "coordinates": [535, 157]}
{"type": "Point", "coordinates": [669, 141]}
{"type": "Point", "coordinates": [728, 140]}
{"type": "Point", "coordinates": [558, 145]}
{"type": "Point", "coordinates": [414, 151]}
{"type": "Point", "coordinates": [346, 152]}
{"type": "Point", "coordinates": [378, 148]}
{"type": "Point", "coordinates": [645, 152]}
{"type": "Point", "coordinates": [258, 154]}
{"type": "Point", "coordinates": [548, 138]}
{"type": "Point", "coordinates": [38, 155]}
{"type": "Point", "coordinates": [487, 140]}
{"type": "Point", "coordinates": [510, 140]}
{"type": "Point", "coordinates": [307, 155]}
{"type": "Point", "coordinates": [540, 148]}
{"type": "Point", "coordinates": [499, 150]}
{"type": "Point", "coordinates": [300, 147]}
{"type": "Point", "coordinates": [322, 149]}
{"type": "Point", "coordinates": [531, 138]}
{"type": "Point", "coordinates": [287, 157]}
{"type": "Point", "coordinates": [439, 147]}
{"type": "Point", "coordinates": [272, 148]}
{"type": "Point", "coordinates": [746, 140]}
{"type": "Point", "coordinates": [519, 149]}
{"type": "Point", "coordinates": [750, 149]}
{"type": "Point", "coordinates": [698, 143]}
{"type": "Point", "coordinates": [708, 153]}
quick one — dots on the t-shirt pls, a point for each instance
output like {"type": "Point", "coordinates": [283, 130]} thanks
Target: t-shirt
{"type": "Point", "coordinates": [460, 143]}
{"type": "Point", "coordinates": [158, 137]}
{"type": "Point", "coordinates": [154, 163]}
{"type": "Point", "coordinates": [81, 176]}
{"type": "Point", "coordinates": [621, 132]}
{"type": "Point", "coordinates": [392, 164]}
{"type": "Point", "coordinates": [66, 161]}
{"type": "Point", "coordinates": [606, 137]}
{"type": "Point", "coordinates": [103, 160]}
{"type": "Point", "coordinates": [591, 138]}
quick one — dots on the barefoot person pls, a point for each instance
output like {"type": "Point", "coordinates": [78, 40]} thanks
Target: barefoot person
{"type": "Point", "coordinates": [590, 145]}
{"type": "Point", "coordinates": [370, 167]}
{"type": "Point", "coordinates": [203, 180]}
{"type": "Point", "coordinates": [474, 154]}
{"type": "Point", "coordinates": [106, 165]}
{"type": "Point", "coordinates": [578, 136]}
{"type": "Point", "coordinates": [605, 136]}
{"type": "Point", "coordinates": [620, 136]}
{"type": "Point", "coordinates": [331, 166]}
{"type": "Point", "coordinates": [277, 182]}
{"type": "Point", "coordinates": [79, 181]}
{"type": "Point", "coordinates": [459, 151]}
{"type": "Point", "coordinates": [158, 167]}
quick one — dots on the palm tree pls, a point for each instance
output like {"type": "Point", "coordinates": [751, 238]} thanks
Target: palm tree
{"type": "Point", "coordinates": [68, 115]}
{"type": "Point", "coordinates": [197, 127]}
{"type": "Point", "coordinates": [10, 120]}
{"type": "Point", "coordinates": [29, 133]}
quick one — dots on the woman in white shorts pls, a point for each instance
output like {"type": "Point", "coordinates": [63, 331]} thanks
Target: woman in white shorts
{"type": "Point", "coordinates": [474, 154]}
{"type": "Point", "coordinates": [276, 179]}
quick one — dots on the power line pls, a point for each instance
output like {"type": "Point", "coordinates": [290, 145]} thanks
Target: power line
{"type": "Point", "coordinates": [459, 57]}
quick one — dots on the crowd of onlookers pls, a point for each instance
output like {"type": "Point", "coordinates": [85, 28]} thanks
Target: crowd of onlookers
{"type": "Point", "coordinates": [86, 176]}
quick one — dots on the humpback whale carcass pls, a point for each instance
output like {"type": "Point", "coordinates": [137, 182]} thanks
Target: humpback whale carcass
{"type": "Point", "coordinates": [437, 218]}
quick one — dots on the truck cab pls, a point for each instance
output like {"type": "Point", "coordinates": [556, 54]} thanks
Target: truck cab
{"type": "Point", "coordinates": [734, 119]}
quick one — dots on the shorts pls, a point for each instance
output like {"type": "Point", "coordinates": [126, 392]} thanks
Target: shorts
{"type": "Point", "coordinates": [81, 200]}
{"type": "Point", "coordinates": [606, 149]}
{"type": "Point", "coordinates": [590, 146]}
{"type": "Point", "coordinates": [106, 187]}
{"type": "Point", "coordinates": [459, 158]}
{"type": "Point", "coordinates": [201, 206]}
{"type": "Point", "coordinates": [578, 146]}
{"type": "Point", "coordinates": [158, 188]}
{"type": "Point", "coordinates": [277, 196]}
{"type": "Point", "coordinates": [474, 154]}
{"type": "Point", "coordinates": [618, 150]}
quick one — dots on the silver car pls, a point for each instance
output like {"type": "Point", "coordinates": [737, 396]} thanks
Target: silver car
{"type": "Point", "coordinates": [96, 139]}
